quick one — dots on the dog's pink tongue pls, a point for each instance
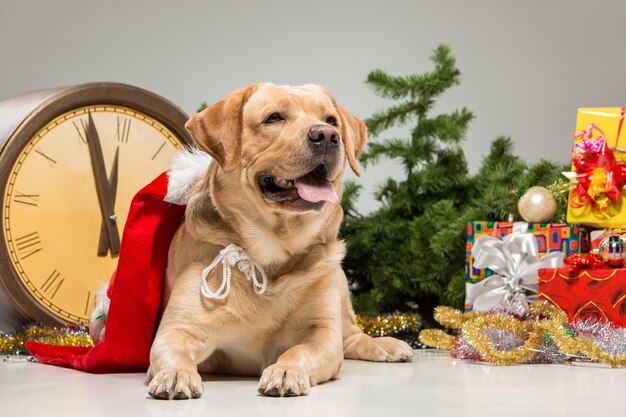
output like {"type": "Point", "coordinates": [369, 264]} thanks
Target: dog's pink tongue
{"type": "Point", "coordinates": [310, 189]}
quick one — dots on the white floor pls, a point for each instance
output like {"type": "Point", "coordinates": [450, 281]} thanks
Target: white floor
{"type": "Point", "coordinates": [433, 385]}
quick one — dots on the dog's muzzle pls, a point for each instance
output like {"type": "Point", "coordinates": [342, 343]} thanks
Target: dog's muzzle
{"type": "Point", "coordinates": [324, 141]}
{"type": "Point", "coordinates": [313, 188]}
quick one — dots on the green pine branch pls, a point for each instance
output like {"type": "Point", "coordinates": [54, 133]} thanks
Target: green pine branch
{"type": "Point", "coordinates": [427, 85]}
{"type": "Point", "coordinates": [393, 116]}
{"type": "Point", "coordinates": [449, 128]}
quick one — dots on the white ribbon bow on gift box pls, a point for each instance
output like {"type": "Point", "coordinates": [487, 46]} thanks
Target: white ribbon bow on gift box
{"type": "Point", "coordinates": [515, 262]}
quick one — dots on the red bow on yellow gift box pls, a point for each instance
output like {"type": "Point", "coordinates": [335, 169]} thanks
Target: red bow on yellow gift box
{"type": "Point", "coordinates": [599, 169]}
{"type": "Point", "coordinates": [600, 178]}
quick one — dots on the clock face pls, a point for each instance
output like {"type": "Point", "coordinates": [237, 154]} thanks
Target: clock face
{"type": "Point", "coordinates": [67, 198]}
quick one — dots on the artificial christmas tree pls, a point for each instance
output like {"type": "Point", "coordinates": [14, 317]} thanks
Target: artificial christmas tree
{"type": "Point", "coordinates": [409, 253]}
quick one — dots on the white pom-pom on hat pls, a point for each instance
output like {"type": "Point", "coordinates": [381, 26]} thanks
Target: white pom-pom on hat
{"type": "Point", "coordinates": [187, 167]}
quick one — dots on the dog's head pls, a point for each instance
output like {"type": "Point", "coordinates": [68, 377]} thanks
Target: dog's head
{"type": "Point", "coordinates": [286, 146]}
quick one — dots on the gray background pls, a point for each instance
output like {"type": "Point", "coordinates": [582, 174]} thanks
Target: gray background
{"type": "Point", "coordinates": [527, 65]}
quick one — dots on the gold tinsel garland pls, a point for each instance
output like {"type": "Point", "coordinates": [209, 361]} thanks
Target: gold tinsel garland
{"type": "Point", "coordinates": [13, 343]}
{"type": "Point", "coordinates": [388, 324]}
{"type": "Point", "coordinates": [546, 321]}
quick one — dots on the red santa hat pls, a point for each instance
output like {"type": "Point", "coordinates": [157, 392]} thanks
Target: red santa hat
{"type": "Point", "coordinates": [136, 288]}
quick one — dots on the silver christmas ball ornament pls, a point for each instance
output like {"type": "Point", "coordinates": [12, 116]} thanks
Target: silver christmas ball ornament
{"type": "Point", "coordinates": [537, 205]}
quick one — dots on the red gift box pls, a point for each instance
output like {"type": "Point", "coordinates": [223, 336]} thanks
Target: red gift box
{"type": "Point", "coordinates": [586, 293]}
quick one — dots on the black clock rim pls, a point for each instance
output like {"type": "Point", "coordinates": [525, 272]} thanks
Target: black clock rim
{"type": "Point", "coordinates": [45, 106]}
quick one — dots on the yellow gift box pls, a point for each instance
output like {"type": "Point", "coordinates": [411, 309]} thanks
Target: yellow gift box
{"type": "Point", "coordinates": [592, 125]}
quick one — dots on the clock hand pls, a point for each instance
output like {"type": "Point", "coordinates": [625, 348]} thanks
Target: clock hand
{"type": "Point", "coordinates": [104, 196]}
{"type": "Point", "coordinates": [103, 246]}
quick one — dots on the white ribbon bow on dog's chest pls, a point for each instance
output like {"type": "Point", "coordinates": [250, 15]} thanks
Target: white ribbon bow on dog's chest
{"type": "Point", "coordinates": [230, 256]}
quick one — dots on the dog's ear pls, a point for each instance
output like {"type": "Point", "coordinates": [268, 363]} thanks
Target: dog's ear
{"type": "Point", "coordinates": [217, 129]}
{"type": "Point", "coordinates": [353, 133]}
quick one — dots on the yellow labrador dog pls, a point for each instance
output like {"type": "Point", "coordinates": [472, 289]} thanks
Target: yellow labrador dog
{"type": "Point", "coordinates": [271, 200]}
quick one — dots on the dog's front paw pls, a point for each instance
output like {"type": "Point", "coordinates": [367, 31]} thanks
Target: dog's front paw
{"type": "Point", "coordinates": [175, 384]}
{"type": "Point", "coordinates": [381, 349]}
{"type": "Point", "coordinates": [284, 381]}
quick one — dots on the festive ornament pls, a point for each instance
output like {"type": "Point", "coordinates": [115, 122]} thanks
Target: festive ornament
{"type": "Point", "coordinates": [537, 205]}
{"type": "Point", "coordinates": [388, 324]}
{"type": "Point", "coordinates": [589, 143]}
{"type": "Point", "coordinates": [611, 250]}
{"type": "Point", "coordinates": [584, 260]}
{"type": "Point", "coordinates": [600, 178]}
{"type": "Point", "coordinates": [13, 343]}
{"type": "Point", "coordinates": [541, 335]}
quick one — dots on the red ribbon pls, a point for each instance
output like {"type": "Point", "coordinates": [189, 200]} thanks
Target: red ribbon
{"type": "Point", "coordinates": [584, 260]}
{"type": "Point", "coordinates": [600, 177]}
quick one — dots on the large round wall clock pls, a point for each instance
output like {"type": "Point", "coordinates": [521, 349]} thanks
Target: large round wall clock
{"type": "Point", "coordinates": [70, 163]}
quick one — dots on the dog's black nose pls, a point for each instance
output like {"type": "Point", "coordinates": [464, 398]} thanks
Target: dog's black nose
{"type": "Point", "coordinates": [324, 133]}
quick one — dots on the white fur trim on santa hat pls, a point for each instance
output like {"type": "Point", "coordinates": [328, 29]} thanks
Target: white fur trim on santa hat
{"type": "Point", "coordinates": [98, 320]}
{"type": "Point", "coordinates": [187, 167]}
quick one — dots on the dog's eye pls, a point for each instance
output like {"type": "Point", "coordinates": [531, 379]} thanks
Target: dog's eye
{"type": "Point", "coordinates": [331, 120]}
{"type": "Point", "coordinates": [273, 118]}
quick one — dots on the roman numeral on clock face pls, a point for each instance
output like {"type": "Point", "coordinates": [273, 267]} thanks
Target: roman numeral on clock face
{"type": "Point", "coordinates": [89, 302]}
{"type": "Point", "coordinates": [81, 127]}
{"type": "Point", "coordinates": [158, 150]}
{"type": "Point", "coordinates": [28, 199]}
{"type": "Point", "coordinates": [52, 284]}
{"type": "Point", "coordinates": [123, 129]}
{"type": "Point", "coordinates": [51, 161]}
{"type": "Point", "coordinates": [28, 245]}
